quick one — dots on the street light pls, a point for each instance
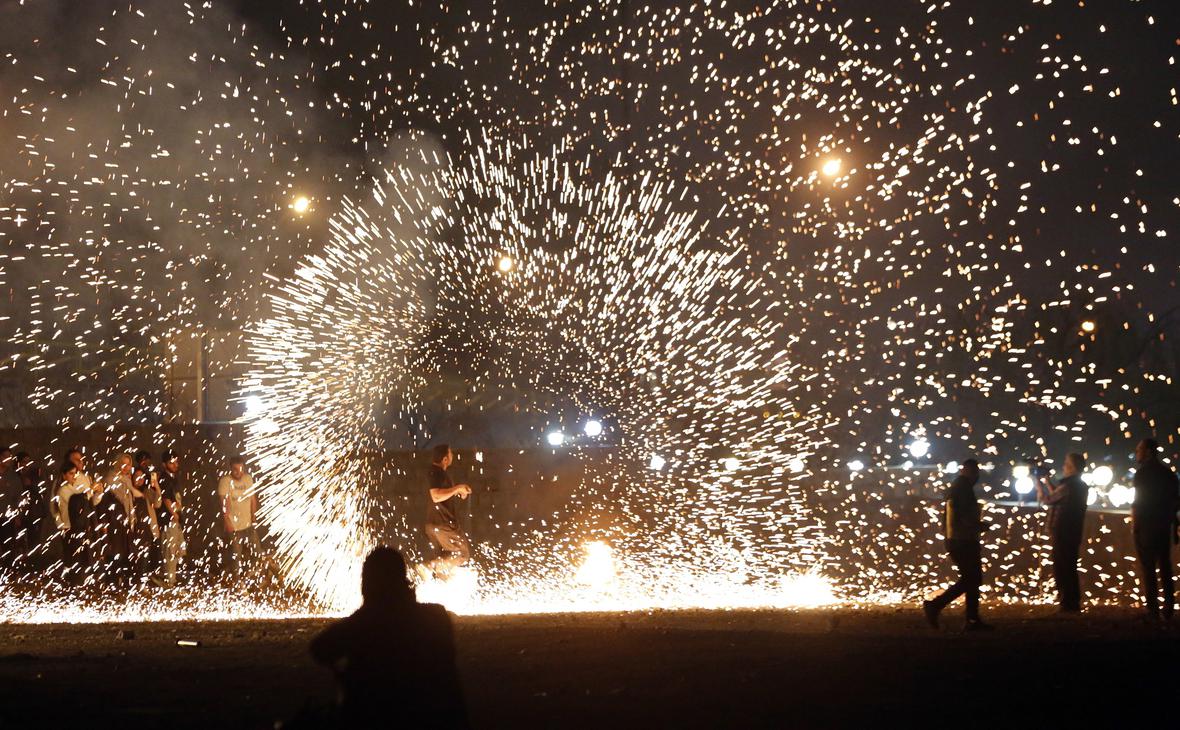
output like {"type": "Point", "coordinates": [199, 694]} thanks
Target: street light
{"type": "Point", "coordinates": [1088, 326]}
{"type": "Point", "coordinates": [592, 428]}
{"type": "Point", "coordinates": [831, 167]}
{"type": "Point", "coordinates": [505, 264]}
{"type": "Point", "coordinates": [555, 438]}
{"type": "Point", "coordinates": [919, 447]}
{"type": "Point", "coordinates": [301, 204]}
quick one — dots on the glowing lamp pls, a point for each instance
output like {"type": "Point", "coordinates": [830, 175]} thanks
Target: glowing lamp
{"type": "Point", "coordinates": [657, 462]}
{"type": "Point", "coordinates": [1102, 476]}
{"type": "Point", "coordinates": [1088, 326]}
{"type": "Point", "coordinates": [555, 438]}
{"type": "Point", "coordinates": [919, 448]}
{"type": "Point", "coordinates": [301, 204]}
{"type": "Point", "coordinates": [505, 264]}
{"type": "Point", "coordinates": [831, 167]}
{"type": "Point", "coordinates": [731, 464]}
{"type": "Point", "coordinates": [592, 428]}
{"type": "Point", "coordinates": [856, 465]}
{"type": "Point", "coordinates": [1024, 485]}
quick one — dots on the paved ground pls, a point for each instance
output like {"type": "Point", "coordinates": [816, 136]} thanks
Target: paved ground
{"type": "Point", "coordinates": [827, 668]}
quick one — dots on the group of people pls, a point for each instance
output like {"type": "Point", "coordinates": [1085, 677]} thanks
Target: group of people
{"type": "Point", "coordinates": [117, 527]}
{"type": "Point", "coordinates": [1154, 520]}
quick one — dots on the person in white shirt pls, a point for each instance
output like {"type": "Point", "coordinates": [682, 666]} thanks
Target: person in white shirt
{"type": "Point", "coordinates": [71, 508]}
{"type": "Point", "coordinates": [239, 507]}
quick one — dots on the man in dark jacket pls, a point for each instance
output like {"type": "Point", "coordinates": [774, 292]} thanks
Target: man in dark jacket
{"type": "Point", "coordinates": [1153, 513]}
{"type": "Point", "coordinates": [394, 657]}
{"type": "Point", "coordinates": [1067, 522]}
{"type": "Point", "coordinates": [963, 529]}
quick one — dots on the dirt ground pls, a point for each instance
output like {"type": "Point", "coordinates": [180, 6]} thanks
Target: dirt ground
{"type": "Point", "coordinates": [791, 669]}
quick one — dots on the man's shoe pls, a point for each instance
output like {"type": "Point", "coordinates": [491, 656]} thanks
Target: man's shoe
{"type": "Point", "coordinates": [931, 612]}
{"type": "Point", "coordinates": [977, 625]}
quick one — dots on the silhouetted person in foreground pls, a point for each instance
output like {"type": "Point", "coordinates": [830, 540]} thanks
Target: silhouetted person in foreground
{"type": "Point", "coordinates": [1067, 523]}
{"type": "Point", "coordinates": [1157, 497]}
{"type": "Point", "coordinates": [394, 657]}
{"type": "Point", "coordinates": [963, 529]}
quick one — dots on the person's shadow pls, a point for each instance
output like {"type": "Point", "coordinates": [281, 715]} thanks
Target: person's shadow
{"type": "Point", "coordinates": [394, 658]}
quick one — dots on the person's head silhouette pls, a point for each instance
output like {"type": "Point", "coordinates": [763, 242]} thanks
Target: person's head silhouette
{"type": "Point", "coordinates": [384, 579]}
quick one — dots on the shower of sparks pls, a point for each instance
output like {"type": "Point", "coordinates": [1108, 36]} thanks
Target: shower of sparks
{"type": "Point", "coordinates": [796, 258]}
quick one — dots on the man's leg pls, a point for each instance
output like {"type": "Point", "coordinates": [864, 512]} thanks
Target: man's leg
{"type": "Point", "coordinates": [972, 571]}
{"type": "Point", "coordinates": [454, 547]}
{"type": "Point", "coordinates": [1147, 563]}
{"type": "Point", "coordinates": [171, 553]}
{"type": "Point", "coordinates": [1165, 563]}
{"type": "Point", "coordinates": [957, 588]}
{"type": "Point", "coordinates": [235, 553]}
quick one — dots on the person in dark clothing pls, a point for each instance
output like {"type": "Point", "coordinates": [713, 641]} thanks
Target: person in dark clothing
{"type": "Point", "coordinates": [145, 535]}
{"type": "Point", "coordinates": [394, 658]}
{"type": "Point", "coordinates": [1153, 515]}
{"type": "Point", "coordinates": [114, 515]}
{"type": "Point", "coordinates": [172, 546]}
{"type": "Point", "coordinates": [1067, 523]}
{"type": "Point", "coordinates": [963, 529]}
{"type": "Point", "coordinates": [12, 491]}
{"type": "Point", "coordinates": [34, 507]}
{"type": "Point", "coordinates": [442, 522]}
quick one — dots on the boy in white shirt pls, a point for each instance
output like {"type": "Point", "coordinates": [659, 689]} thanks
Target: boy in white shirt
{"type": "Point", "coordinates": [239, 506]}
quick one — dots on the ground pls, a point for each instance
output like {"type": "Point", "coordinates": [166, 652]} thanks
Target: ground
{"type": "Point", "coordinates": [879, 667]}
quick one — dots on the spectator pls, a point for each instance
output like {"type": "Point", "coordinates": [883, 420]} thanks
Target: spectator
{"type": "Point", "coordinates": [12, 491]}
{"type": "Point", "coordinates": [1153, 514]}
{"type": "Point", "coordinates": [34, 506]}
{"type": "Point", "coordinates": [115, 513]}
{"type": "Point", "coordinates": [1067, 523]}
{"type": "Point", "coordinates": [172, 506]}
{"type": "Point", "coordinates": [239, 507]}
{"type": "Point", "coordinates": [71, 509]}
{"type": "Point", "coordinates": [145, 531]}
{"type": "Point", "coordinates": [394, 657]}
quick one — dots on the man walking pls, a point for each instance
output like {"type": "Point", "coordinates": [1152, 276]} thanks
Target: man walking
{"type": "Point", "coordinates": [1153, 515]}
{"type": "Point", "coordinates": [442, 523]}
{"type": "Point", "coordinates": [963, 529]}
{"type": "Point", "coordinates": [239, 506]}
{"type": "Point", "coordinates": [1067, 523]}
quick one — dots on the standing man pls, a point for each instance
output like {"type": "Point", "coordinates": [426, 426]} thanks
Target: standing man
{"type": "Point", "coordinates": [963, 529]}
{"type": "Point", "coordinates": [145, 537]}
{"type": "Point", "coordinates": [1153, 515]}
{"type": "Point", "coordinates": [442, 522]}
{"type": "Point", "coordinates": [12, 492]}
{"type": "Point", "coordinates": [239, 507]}
{"type": "Point", "coordinates": [115, 514]}
{"type": "Point", "coordinates": [171, 506]}
{"type": "Point", "coordinates": [1067, 523]}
